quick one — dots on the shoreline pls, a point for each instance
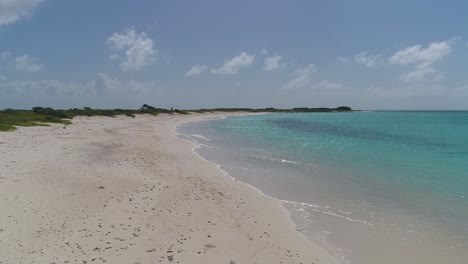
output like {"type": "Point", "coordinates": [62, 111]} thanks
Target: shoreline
{"type": "Point", "coordinates": [259, 191]}
{"type": "Point", "coordinates": [280, 203]}
{"type": "Point", "coordinates": [142, 196]}
{"type": "Point", "coordinates": [247, 185]}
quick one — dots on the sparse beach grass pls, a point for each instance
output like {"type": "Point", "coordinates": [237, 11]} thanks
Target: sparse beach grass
{"type": "Point", "coordinates": [41, 116]}
{"type": "Point", "coordinates": [9, 119]}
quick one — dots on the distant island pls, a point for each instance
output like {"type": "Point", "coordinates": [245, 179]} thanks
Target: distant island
{"type": "Point", "coordinates": [40, 116]}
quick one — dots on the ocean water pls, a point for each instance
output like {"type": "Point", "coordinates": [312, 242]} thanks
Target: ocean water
{"type": "Point", "coordinates": [369, 187]}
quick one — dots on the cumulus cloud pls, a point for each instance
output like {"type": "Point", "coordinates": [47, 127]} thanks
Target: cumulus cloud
{"type": "Point", "coordinates": [28, 63]}
{"type": "Point", "coordinates": [302, 78]}
{"type": "Point", "coordinates": [134, 50]}
{"type": "Point", "coordinates": [423, 60]}
{"type": "Point", "coordinates": [272, 63]}
{"type": "Point", "coordinates": [196, 70]}
{"type": "Point", "coordinates": [233, 65]}
{"type": "Point", "coordinates": [14, 10]}
{"type": "Point", "coordinates": [366, 59]}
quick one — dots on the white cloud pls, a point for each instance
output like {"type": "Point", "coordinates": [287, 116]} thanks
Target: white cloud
{"type": "Point", "coordinates": [413, 90]}
{"type": "Point", "coordinates": [136, 49]}
{"type": "Point", "coordinates": [366, 59]}
{"type": "Point", "coordinates": [419, 73]}
{"type": "Point", "coordinates": [272, 63]}
{"type": "Point", "coordinates": [327, 85]}
{"type": "Point", "coordinates": [103, 85]}
{"type": "Point", "coordinates": [114, 57]}
{"type": "Point", "coordinates": [423, 59]}
{"type": "Point", "coordinates": [303, 82]}
{"type": "Point", "coordinates": [303, 78]}
{"type": "Point", "coordinates": [460, 91]}
{"type": "Point", "coordinates": [13, 10]}
{"type": "Point", "coordinates": [48, 87]}
{"type": "Point", "coordinates": [5, 55]}
{"type": "Point", "coordinates": [419, 55]}
{"type": "Point", "coordinates": [232, 66]}
{"type": "Point", "coordinates": [264, 51]}
{"type": "Point", "coordinates": [196, 70]}
{"type": "Point", "coordinates": [28, 63]}
{"type": "Point", "coordinates": [343, 60]}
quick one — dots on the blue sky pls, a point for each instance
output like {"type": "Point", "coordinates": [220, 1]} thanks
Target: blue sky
{"type": "Point", "coordinates": [367, 54]}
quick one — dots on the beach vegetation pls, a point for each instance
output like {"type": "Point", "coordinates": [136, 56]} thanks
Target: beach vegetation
{"type": "Point", "coordinates": [10, 118]}
{"type": "Point", "coordinates": [42, 116]}
{"type": "Point", "coordinates": [275, 110]}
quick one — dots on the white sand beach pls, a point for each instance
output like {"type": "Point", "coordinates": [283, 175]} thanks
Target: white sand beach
{"type": "Point", "coordinates": [127, 190]}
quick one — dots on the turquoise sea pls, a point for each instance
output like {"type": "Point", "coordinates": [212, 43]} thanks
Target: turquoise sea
{"type": "Point", "coordinates": [369, 187]}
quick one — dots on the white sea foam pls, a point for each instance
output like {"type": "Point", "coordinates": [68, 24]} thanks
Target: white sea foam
{"type": "Point", "coordinates": [301, 206]}
{"type": "Point", "coordinates": [263, 157]}
{"type": "Point", "coordinates": [215, 118]}
{"type": "Point", "coordinates": [200, 136]}
{"type": "Point", "coordinates": [290, 161]}
{"type": "Point", "coordinates": [197, 143]}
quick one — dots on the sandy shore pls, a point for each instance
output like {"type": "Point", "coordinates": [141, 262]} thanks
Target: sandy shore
{"type": "Point", "coordinates": [127, 190]}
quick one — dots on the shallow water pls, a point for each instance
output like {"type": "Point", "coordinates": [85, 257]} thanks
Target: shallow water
{"type": "Point", "coordinates": [369, 187]}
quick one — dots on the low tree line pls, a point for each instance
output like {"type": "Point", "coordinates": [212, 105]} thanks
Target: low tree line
{"type": "Point", "coordinates": [41, 116]}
